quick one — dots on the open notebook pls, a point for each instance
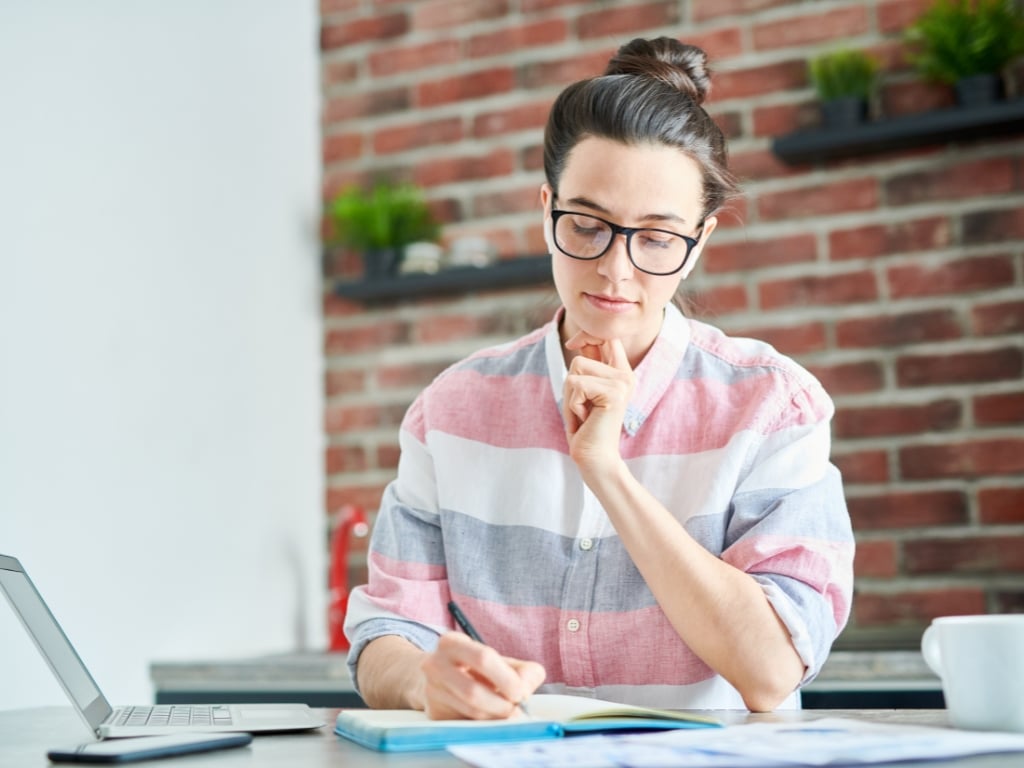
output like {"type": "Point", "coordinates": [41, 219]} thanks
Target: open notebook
{"type": "Point", "coordinates": [551, 716]}
{"type": "Point", "coordinates": [144, 720]}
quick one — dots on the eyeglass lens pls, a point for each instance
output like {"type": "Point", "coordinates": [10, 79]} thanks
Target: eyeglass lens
{"type": "Point", "coordinates": [652, 250]}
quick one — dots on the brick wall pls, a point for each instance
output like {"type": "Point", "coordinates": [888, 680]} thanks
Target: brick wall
{"type": "Point", "coordinates": [898, 279]}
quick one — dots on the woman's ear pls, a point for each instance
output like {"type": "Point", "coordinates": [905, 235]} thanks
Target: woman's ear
{"type": "Point", "coordinates": [547, 199]}
{"type": "Point", "coordinates": [705, 233]}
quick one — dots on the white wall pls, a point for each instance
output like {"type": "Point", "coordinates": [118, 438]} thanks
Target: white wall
{"type": "Point", "coordinates": [160, 366]}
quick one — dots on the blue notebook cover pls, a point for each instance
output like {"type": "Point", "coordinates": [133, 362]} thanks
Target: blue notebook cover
{"type": "Point", "coordinates": [554, 716]}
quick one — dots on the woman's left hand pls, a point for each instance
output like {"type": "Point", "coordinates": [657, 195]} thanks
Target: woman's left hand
{"type": "Point", "coordinates": [598, 387]}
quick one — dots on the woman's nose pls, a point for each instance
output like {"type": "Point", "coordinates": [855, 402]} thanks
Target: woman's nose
{"type": "Point", "coordinates": [615, 264]}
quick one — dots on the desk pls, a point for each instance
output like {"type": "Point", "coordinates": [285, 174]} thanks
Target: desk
{"type": "Point", "coordinates": [26, 734]}
{"type": "Point", "coordinates": [849, 679]}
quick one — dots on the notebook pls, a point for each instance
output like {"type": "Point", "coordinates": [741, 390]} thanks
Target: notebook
{"type": "Point", "coordinates": [551, 716]}
{"type": "Point", "coordinates": [106, 721]}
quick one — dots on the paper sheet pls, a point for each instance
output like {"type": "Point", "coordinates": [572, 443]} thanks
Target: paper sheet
{"type": "Point", "coordinates": [827, 741]}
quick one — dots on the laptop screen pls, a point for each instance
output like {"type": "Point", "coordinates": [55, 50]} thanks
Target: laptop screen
{"type": "Point", "coordinates": [50, 639]}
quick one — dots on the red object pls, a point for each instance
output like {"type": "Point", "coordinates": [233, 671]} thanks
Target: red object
{"type": "Point", "coordinates": [351, 522]}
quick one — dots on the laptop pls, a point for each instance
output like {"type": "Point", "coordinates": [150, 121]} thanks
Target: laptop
{"type": "Point", "coordinates": [106, 721]}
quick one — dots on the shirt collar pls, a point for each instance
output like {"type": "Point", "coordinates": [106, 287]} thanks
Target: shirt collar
{"type": "Point", "coordinates": [654, 375]}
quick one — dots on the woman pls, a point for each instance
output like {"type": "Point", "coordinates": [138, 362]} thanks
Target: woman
{"type": "Point", "coordinates": [626, 503]}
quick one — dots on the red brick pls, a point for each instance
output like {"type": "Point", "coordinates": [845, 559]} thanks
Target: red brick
{"type": "Point", "coordinates": [537, 6]}
{"type": "Point", "coordinates": [899, 330]}
{"type": "Point", "coordinates": [914, 97]}
{"type": "Point", "coordinates": [916, 607]}
{"type": "Point", "coordinates": [778, 119]}
{"type": "Point", "coordinates": [965, 460]}
{"type": "Point", "coordinates": [998, 319]}
{"type": "Point", "coordinates": [561, 72]}
{"type": "Point", "coordinates": [1005, 408]}
{"type": "Point", "coordinates": [977, 554]}
{"type": "Point", "coordinates": [387, 456]}
{"type": "Point", "coordinates": [792, 340]}
{"type": "Point", "coordinates": [344, 458]}
{"type": "Point", "coordinates": [446, 170]}
{"type": "Point", "coordinates": [802, 30]}
{"type": "Point", "coordinates": [758, 164]}
{"type": "Point", "coordinates": [722, 299]}
{"type": "Point", "coordinates": [441, 328]}
{"type": "Point", "coordinates": [863, 466]}
{"type": "Point", "coordinates": [513, 37]}
{"type": "Point", "coordinates": [616, 22]}
{"type": "Point", "coordinates": [896, 15]}
{"type": "Point", "coordinates": [361, 338]}
{"type": "Point", "coordinates": [366, 104]}
{"type": "Point", "coordinates": [464, 87]}
{"type": "Point", "coordinates": [366, 496]}
{"type": "Point", "coordinates": [993, 226]}
{"type": "Point", "coordinates": [850, 378]}
{"type": "Point", "coordinates": [508, 201]}
{"type": "Point", "coordinates": [345, 146]}
{"type": "Point", "coordinates": [978, 178]}
{"type": "Point", "coordinates": [328, 7]}
{"type": "Point", "coordinates": [882, 420]}
{"type": "Point", "coordinates": [412, 58]}
{"type": "Point", "coordinates": [976, 273]}
{"type": "Point", "coordinates": [450, 14]}
{"type": "Point", "coordinates": [849, 288]}
{"type": "Point", "coordinates": [341, 419]}
{"type": "Point", "coordinates": [875, 559]}
{"type": "Point", "coordinates": [744, 255]}
{"type": "Point", "coordinates": [998, 506]}
{"type": "Point", "coordinates": [337, 72]}
{"type": "Point", "coordinates": [402, 375]}
{"type": "Point", "coordinates": [907, 509]}
{"type": "Point", "coordinates": [887, 239]}
{"type": "Point", "coordinates": [959, 367]}
{"type": "Point", "coordinates": [712, 9]}
{"type": "Point", "coordinates": [719, 43]}
{"type": "Point", "coordinates": [757, 81]}
{"type": "Point", "coordinates": [522, 117]}
{"type": "Point", "coordinates": [363, 30]}
{"type": "Point", "coordinates": [344, 382]}
{"type": "Point", "coordinates": [405, 137]}
{"type": "Point", "coordinates": [836, 197]}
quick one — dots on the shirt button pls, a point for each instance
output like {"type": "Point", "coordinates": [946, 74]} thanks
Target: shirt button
{"type": "Point", "coordinates": [573, 625]}
{"type": "Point", "coordinates": [586, 544]}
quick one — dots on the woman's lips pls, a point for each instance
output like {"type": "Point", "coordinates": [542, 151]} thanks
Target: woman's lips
{"type": "Point", "coordinates": [609, 303]}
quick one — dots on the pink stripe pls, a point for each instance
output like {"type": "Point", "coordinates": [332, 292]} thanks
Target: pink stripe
{"type": "Point", "coordinates": [628, 648]}
{"type": "Point", "coordinates": [417, 591]}
{"type": "Point", "coordinates": [823, 565]}
{"type": "Point", "coordinates": [456, 403]}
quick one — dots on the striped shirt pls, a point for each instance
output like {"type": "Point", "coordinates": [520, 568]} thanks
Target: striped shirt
{"type": "Point", "coordinates": [489, 509]}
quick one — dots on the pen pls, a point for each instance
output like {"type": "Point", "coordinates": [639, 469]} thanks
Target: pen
{"type": "Point", "coordinates": [465, 626]}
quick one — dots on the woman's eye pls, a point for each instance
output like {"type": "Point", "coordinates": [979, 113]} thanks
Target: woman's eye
{"type": "Point", "coordinates": [655, 240]}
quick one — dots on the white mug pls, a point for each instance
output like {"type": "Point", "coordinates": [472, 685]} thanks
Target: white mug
{"type": "Point", "coordinates": [980, 660]}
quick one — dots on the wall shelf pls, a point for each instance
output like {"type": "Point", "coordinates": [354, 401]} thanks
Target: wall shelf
{"type": "Point", "coordinates": [936, 127]}
{"type": "Point", "coordinates": [508, 273]}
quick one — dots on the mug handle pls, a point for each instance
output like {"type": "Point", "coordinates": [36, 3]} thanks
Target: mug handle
{"type": "Point", "coordinates": [930, 649]}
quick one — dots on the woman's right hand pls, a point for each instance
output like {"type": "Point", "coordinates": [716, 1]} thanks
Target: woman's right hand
{"type": "Point", "coordinates": [463, 679]}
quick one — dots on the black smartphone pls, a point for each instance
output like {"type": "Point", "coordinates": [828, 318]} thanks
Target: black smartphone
{"type": "Point", "coordinates": [147, 747]}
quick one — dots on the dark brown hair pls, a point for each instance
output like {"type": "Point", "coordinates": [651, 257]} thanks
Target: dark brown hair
{"type": "Point", "coordinates": [651, 92]}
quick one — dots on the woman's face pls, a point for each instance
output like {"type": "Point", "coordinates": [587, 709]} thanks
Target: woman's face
{"type": "Point", "coordinates": [649, 185]}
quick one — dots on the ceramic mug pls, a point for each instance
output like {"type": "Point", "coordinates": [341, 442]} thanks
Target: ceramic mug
{"type": "Point", "coordinates": [980, 660]}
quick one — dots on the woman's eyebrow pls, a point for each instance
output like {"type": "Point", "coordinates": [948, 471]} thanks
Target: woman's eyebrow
{"type": "Point", "coordinates": [585, 202]}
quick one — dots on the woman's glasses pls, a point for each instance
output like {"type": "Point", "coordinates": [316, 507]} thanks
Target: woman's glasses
{"type": "Point", "coordinates": [654, 251]}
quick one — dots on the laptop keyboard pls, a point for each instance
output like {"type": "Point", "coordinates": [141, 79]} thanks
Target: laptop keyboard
{"type": "Point", "coordinates": [175, 715]}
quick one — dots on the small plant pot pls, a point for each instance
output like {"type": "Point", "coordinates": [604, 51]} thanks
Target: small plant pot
{"type": "Point", "coordinates": [845, 112]}
{"type": "Point", "coordinates": [379, 263]}
{"type": "Point", "coordinates": [978, 90]}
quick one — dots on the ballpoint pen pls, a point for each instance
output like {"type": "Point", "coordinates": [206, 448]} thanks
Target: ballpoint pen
{"type": "Point", "coordinates": [465, 626]}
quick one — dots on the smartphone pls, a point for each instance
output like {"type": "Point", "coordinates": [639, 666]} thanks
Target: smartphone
{"type": "Point", "coordinates": [147, 747]}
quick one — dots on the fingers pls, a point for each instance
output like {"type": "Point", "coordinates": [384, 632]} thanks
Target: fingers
{"type": "Point", "coordinates": [467, 680]}
{"type": "Point", "coordinates": [608, 351]}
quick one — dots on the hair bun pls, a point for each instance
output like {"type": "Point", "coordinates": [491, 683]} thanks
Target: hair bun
{"type": "Point", "coordinates": [682, 66]}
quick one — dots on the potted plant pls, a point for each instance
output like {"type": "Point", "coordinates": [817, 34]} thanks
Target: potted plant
{"type": "Point", "coordinates": [845, 82]}
{"type": "Point", "coordinates": [967, 44]}
{"type": "Point", "coordinates": [380, 223]}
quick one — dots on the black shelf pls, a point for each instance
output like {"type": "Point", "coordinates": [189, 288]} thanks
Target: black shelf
{"type": "Point", "coordinates": [508, 273]}
{"type": "Point", "coordinates": [937, 127]}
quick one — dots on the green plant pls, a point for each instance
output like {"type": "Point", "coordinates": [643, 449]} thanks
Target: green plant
{"type": "Point", "coordinates": [842, 74]}
{"type": "Point", "coordinates": [389, 216]}
{"type": "Point", "coordinates": [955, 39]}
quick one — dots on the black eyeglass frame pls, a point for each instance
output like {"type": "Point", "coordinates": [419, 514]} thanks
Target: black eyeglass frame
{"type": "Point", "coordinates": [618, 229]}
